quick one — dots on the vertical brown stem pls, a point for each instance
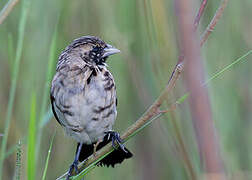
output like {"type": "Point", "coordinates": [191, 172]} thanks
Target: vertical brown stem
{"type": "Point", "coordinates": [199, 102]}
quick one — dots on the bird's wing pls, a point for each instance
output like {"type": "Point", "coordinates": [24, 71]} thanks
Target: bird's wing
{"type": "Point", "coordinates": [53, 109]}
{"type": "Point", "coordinates": [63, 88]}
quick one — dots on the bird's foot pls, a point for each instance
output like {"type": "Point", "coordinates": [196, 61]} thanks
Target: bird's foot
{"type": "Point", "coordinates": [115, 137]}
{"type": "Point", "coordinates": [74, 166]}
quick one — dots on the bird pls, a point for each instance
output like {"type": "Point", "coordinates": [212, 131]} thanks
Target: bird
{"type": "Point", "coordinates": [84, 102]}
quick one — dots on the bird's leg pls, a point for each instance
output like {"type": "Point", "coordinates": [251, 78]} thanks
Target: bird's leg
{"type": "Point", "coordinates": [74, 165]}
{"type": "Point", "coordinates": [96, 145]}
{"type": "Point", "coordinates": [115, 137]}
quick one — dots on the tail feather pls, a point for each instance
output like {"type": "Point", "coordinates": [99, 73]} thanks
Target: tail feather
{"type": "Point", "coordinates": [115, 157]}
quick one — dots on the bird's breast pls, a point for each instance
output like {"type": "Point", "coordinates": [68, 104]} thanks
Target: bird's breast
{"type": "Point", "coordinates": [92, 103]}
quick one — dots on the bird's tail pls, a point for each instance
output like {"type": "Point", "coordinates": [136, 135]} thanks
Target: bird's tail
{"type": "Point", "coordinates": [115, 157]}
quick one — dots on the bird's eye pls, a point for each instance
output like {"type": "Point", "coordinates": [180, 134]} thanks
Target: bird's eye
{"type": "Point", "coordinates": [95, 49]}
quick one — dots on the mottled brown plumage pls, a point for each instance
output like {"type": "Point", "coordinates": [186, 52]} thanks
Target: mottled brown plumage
{"type": "Point", "coordinates": [83, 97]}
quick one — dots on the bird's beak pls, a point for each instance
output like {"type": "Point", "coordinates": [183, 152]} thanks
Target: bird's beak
{"type": "Point", "coordinates": [110, 50]}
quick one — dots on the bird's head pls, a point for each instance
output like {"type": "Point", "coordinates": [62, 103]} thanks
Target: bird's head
{"type": "Point", "coordinates": [92, 50]}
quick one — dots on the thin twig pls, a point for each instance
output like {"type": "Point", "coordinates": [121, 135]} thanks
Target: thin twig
{"type": "Point", "coordinates": [154, 108]}
{"type": "Point", "coordinates": [214, 21]}
{"type": "Point", "coordinates": [7, 9]}
{"type": "Point", "coordinates": [201, 10]}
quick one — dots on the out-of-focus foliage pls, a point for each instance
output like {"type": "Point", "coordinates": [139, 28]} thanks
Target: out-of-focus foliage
{"type": "Point", "coordinates": [145, 32]}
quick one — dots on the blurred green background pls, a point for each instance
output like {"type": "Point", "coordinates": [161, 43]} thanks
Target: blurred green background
{"type": "Point", "coordinates": [145, 31]}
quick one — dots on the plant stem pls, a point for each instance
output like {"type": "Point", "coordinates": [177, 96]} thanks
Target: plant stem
{"type": "Point", "coordinates": [213, 22]}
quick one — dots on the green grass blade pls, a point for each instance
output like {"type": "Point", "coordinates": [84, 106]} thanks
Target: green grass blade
{"type": "Point", "coordinates": [10, 51]}
{"type": "Point", "coordinates": [47, 158]}
{"type": "Point", "coordinates": [46, 118]}
{"type": "Point", "coordinates": [21, 30]}
{"type": "Point", "coordinates": [49, 74]}
{"type": "Point", "coordinates": [227, 67]}
{"type": "Point", "coordinates": [45, 97]}
{"type": "Point", "coordinates": [18, 161]}
{"type": "Point", "coordinates": [31, 150]}
{"type": "Point", "coordinates": [182, 98]}
{"type": "Point", "coordinates": [216, 75]}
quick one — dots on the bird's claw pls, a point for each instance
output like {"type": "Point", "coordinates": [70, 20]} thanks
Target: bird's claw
{"type": "Point", "coordinates": [115, 137]}
{"type": "Point", "coordinates": [74, 166]}
{"type": "Point", "coordinates": [96, 145]}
